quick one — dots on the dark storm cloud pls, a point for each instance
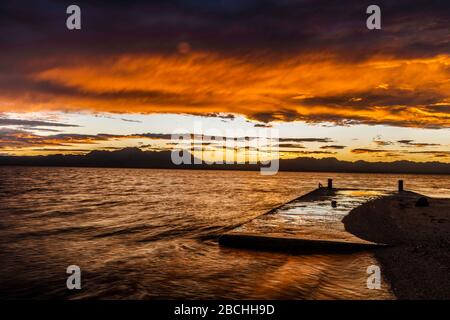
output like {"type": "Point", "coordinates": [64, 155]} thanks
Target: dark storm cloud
{"type": "Point", "coordinates": [354, 119]}
{"type": "Point", "coordinates": [394, 99]}
{"type": "Point", "coordinates": [19, 138]}
{"type": "Point", "coordinates": [60, 150]}
{"type": "Point", "coordinates": [368, 150]}
{"type": "Point", "coordinates": [313, 152]}
{"type": "Point", "coordinates": [32, 123]}
{"type": "Point", "coordinates": [233, 27]}
{"type": "Point", "coordinates": [259, 34]}
{"type": "Point", "coordinates": [262, 125]}
{"type": "Point", "coordinates": [333, 147]}
{"type": "Point", "coordinates": [129, 120]}
{"type": "Point", "coordinates": [412, 143]}
{"type": "Point", "coordinates": [382, 143]}
{"type": "Point", "coordinates": [23, 138]}
{"type": "Point", "coordinates": [13, 86]}
{"type": "Point", "coordinates": [12, 138]}
{"type": "Point", "coordinates": [280, 115]}
{"type": "Point", "coordinates": [290, 145]}
{"type": "Point", "coordinates": [320, 140]}
{"type": "Point", "coordinates": [218, 115]}
{"type": "Point", "coordinates": [438, 108]}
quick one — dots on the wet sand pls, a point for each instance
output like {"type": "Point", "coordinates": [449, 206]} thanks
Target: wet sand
{"type": "Point", "coordinates": [417, 264]}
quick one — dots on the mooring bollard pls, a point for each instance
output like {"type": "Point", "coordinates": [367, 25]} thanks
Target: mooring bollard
{"type": "Point", "coordinates": [330, 183]}
{"type": "Point", "coordinates": [400, 185]}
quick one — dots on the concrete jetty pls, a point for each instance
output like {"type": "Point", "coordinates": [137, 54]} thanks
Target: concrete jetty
{"type": "Point", "coordinates": [310, 222]}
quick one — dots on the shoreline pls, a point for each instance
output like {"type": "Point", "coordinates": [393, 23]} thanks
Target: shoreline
{"type": "Point", "coordinates": [417, 262]}
{"type": "Point", "coordinates": [192, 168]}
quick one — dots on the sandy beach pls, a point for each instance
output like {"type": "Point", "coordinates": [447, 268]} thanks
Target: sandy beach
{"type": "Point", "coordinates": [417, 262]}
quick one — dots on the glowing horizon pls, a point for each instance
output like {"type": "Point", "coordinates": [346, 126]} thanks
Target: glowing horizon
{"type": "Point", "coordinates": [357, 94]}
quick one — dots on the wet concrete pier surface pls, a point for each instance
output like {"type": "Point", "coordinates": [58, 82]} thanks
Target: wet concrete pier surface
{"type": "Point", "coordinates": [310, 222]}
{"type": "Point", "coordinates": [408, 232]}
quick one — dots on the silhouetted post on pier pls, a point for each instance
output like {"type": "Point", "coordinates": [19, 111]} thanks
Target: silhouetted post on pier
{"type": "Point", "coordinates": [400, 185]}
{"type": "Point", "coordinates": [330, 183]}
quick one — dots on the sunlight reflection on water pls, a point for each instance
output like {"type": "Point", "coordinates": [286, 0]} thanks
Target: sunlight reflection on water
{"type": "Point", "coordinates": [141, 233]}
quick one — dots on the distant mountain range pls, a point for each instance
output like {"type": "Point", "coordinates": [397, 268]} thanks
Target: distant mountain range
{"type": "Point", "coordinates": [136, 158]}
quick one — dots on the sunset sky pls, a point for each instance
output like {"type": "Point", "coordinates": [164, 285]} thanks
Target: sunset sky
{"type": "Point", "coordinates": [138, 72]}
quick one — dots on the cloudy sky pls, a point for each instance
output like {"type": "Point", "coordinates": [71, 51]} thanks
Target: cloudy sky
{"type": "Point", "coordinates": [139, 70]}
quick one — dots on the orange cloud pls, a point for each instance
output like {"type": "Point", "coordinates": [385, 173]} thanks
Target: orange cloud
{"type": "Point", "coordinates": [399, 92]}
